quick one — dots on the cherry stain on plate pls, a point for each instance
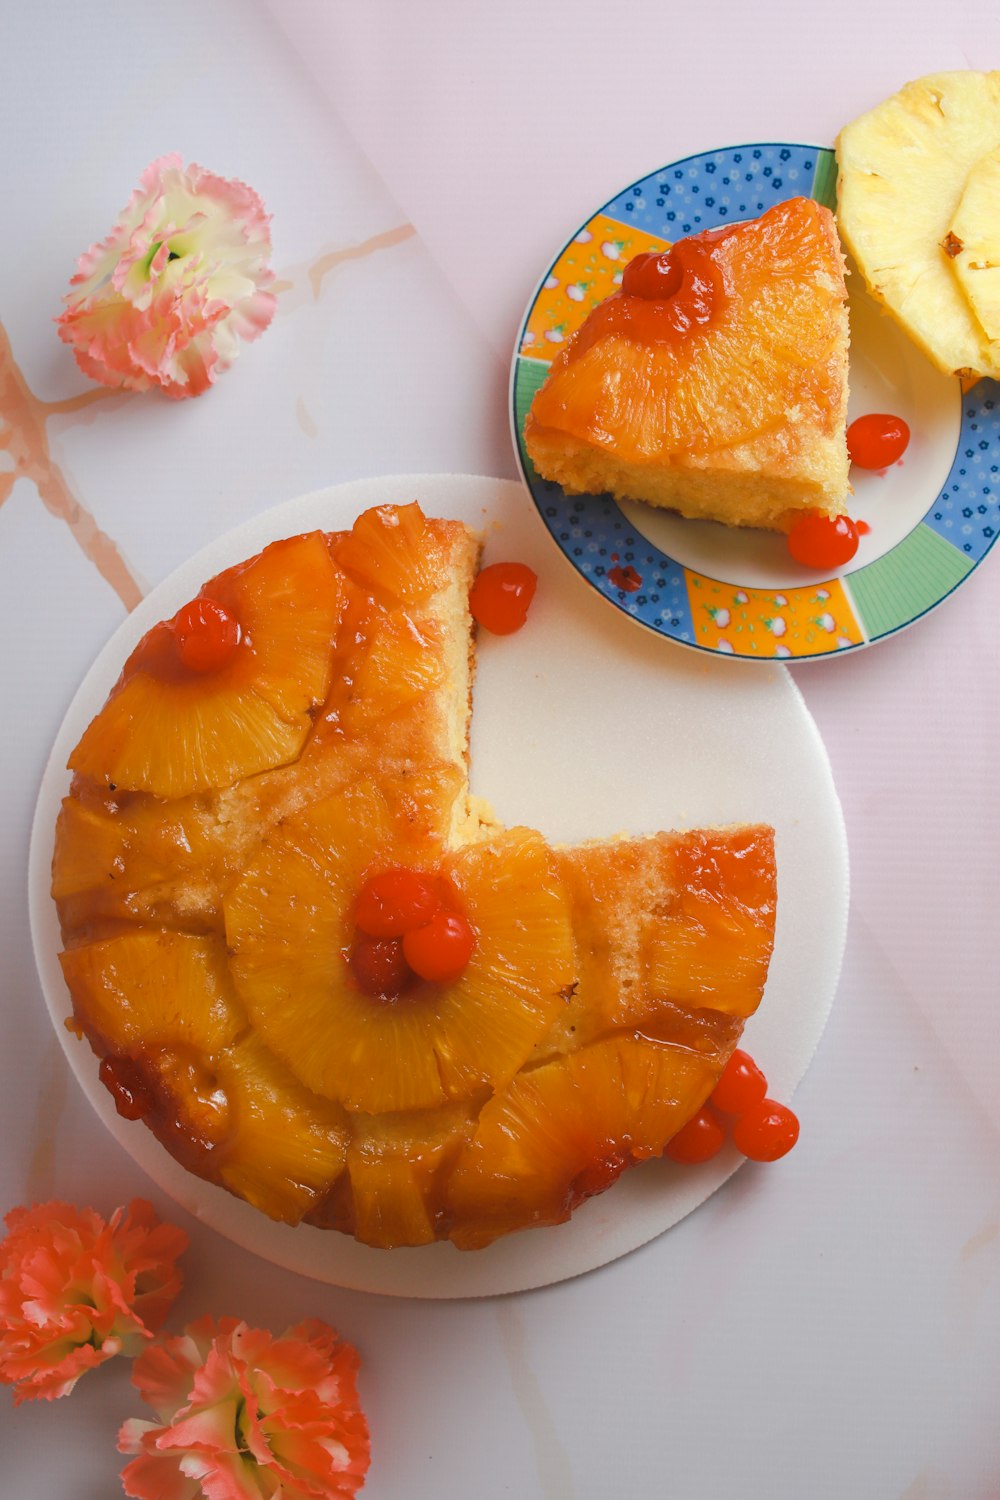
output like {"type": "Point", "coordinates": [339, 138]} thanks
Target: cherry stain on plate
{"type": "Point", "coordinates": [625, 578]}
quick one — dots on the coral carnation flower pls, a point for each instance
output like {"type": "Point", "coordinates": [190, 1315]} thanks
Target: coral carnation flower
{"type": "Point", "coordinates": [244, 1415]}
{"type": "Point", "coordinates": [74, 1291]}
{"type": "Point", "coordinates": [180, 279]}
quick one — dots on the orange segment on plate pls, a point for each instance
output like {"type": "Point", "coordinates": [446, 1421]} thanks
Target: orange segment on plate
{"type": "Point", "coordinates": [211, 938]}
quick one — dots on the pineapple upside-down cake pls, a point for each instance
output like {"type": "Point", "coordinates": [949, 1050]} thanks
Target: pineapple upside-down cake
{"type": "Point", "coordinates": [714, 381]}
{"type": "Point", "coordinates": [318, 969]}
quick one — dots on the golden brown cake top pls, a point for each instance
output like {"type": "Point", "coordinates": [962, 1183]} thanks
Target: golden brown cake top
{"type": "Point", "coordinates": [224, 818]}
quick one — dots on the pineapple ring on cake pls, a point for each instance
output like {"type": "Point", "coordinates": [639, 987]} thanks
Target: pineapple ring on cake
{"type": "Point", "coordinates": [161, 732]}
{"type": "Point", "coordinates": [442, 1042]}
{"type": "Point", "coordinates": [738, 415]}
{"type": "Point", "coordinates": [210, 935]}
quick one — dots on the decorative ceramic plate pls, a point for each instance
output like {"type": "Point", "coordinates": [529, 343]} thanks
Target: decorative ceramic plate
{"type": "Point", "coordinates": [582, 727]}
{"type": "Point", "coordinates": [932, 517]}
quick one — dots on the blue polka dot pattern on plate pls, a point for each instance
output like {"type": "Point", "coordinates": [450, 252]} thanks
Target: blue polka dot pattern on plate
{"type": "Point", "coordinates": [967, 512]}
{"type": "Point", "coordinates": [720, 187]}
{"type": "Point", "coordinates": [592, 532]}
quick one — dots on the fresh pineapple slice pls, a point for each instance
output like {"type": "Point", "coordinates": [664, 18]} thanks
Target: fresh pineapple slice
{"type": "Point", "coordinates": [169, 732]}
{"type": "Point", "coordinates": [903, 168]}
{"type": "Point", "coordinates": [437, 1042]}
{"type": "Point", "coordinates": [564, 1131]}
{"type": "Point", "coordinates": [973, 243]}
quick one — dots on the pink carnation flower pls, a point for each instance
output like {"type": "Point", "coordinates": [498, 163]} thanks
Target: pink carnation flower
{"type": "Point", "coordinates": [243, 1416]}
{"type": "Point", "coordinates": [74, 1291]}
{"type": "Point", "coordinates": [180, 279]}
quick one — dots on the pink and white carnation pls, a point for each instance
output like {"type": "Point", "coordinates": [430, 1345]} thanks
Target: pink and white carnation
{"type": "Point", "coordinates": [75, 1291]}
{"type": "Point", "coordinates": [246, 1416]}
{"type": "Point", "coordinates": [181, 278]}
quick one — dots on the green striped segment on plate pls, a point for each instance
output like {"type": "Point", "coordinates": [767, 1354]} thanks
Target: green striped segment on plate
{"type": "Point", "coordinates": [909, 580]}
{"type": "Point", "coordinates": [527, 378]}
{"type": "Point", "coordinates": [824, 185]}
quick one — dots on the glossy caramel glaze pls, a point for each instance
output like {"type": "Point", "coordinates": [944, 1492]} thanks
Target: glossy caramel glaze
{"type": "Point", "coordinates": [207, 934]}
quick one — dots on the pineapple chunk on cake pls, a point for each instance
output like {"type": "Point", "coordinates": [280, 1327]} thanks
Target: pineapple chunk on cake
{"type": "Point", "coordinates": [904, 169]}
{"type": "Point", "coordinates": [213, 934]}
{"type": "Point", "coordinates": [714, 383]}
{"type": "Point", "coordinates": [673, 934]}
{"type": "Point", "coordinates": [565, 1131]}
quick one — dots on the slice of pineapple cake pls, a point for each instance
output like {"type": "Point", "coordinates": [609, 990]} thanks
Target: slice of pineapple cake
{"type": "Point", "coordinates": [714, 382]}
{"type": "Point", "coordinates": [320, 972]}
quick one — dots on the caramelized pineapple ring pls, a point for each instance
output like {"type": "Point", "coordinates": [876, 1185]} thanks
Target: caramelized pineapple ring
{"type": "Point", "coordinates": [285, 1147]}
{"type": "Point", "coordinates": [147, 990]}
{"type": "Point", "coordinates": [171, 732]}
{"type": "Point", "coordinates": [402, 663]}
{"type": "Point", "coordinates": [219, 1101]}
{"type": "Point", "coordinates": [437, 1041]}
{"type": "Point", "coordinates": [566, 1130]}
{"type": "Point", "coordinates": [397, 1171]}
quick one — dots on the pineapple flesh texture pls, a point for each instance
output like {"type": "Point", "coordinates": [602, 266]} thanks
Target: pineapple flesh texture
{"type": "Point", "coordinates": [974, 245]}
{"type": "Point", "coordinates": [903, 173]}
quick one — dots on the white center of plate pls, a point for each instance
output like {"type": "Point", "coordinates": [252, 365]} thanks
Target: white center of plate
{"type": "Point", "coordinates": [888, 374]}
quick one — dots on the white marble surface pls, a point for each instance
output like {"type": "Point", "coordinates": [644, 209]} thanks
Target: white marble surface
{"type": "Point", "coordinates": [822, 1330]}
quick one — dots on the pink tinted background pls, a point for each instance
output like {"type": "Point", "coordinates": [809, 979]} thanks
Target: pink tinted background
{"type": "Point", "coordinates": [836, 1316]}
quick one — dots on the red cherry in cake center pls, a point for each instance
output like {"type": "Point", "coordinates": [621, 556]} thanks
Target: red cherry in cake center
{"type": "Point", "coordinates": [396, 901]}
{"type": "Point", "coordinates": [206, 634]}
{"type": "Point", "coordinates": [685, 277]}
{"type": "Point", "coordinates": [656, 275]}
{"type": "Point", "coordinates": [379, 966]}
{"type": "Point", "coordinates": [440, 950]}
{"type": "Point", "coordinates": [407, 928]}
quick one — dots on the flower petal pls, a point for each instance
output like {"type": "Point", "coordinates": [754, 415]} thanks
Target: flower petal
{"type": "Point", "coordinates": [179, 281]}
{"type": "Point", "coordinates": [68, 1291]}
